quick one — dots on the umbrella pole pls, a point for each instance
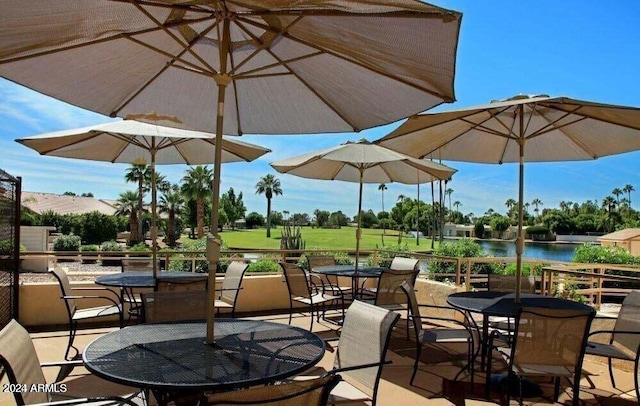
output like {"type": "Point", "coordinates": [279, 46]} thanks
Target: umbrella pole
{"type": "Point", "coordinates": [359, 231]}
{"type": "Point", "coordinates": [418, 216]}
{"type": "Point", "coordinates": [154, 197]}
{"type": "Point", "coordinates": [213, 240]}
{"type": "Point", "coordinates": [520, 238]}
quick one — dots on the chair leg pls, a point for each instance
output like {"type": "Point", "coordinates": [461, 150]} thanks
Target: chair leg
{"type": "Point", "coordinates": [311, 306]}
{"type": "Point", "coordinates": [415, 364]}
{"type": "Point", "coordinates": [637, 378]}
{"type": "Point", "coordinates": [290, 310]}
{"type": "Point", "coordinates": [556, 389]}
{"type": "Point", "coordinates": [613, 380]}
{"type": "Point", "coordinates": [72, 335]}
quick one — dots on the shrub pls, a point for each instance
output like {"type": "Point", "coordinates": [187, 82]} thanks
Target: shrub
{"type": "Point", "coordinates": [342, 258]}
{"type": "Point", "coordinates": [179, 262]}
{"type": "Point", "coordinates": [391, 251]}
{"type": "Point", "coordinates": [67, 243]}
{"type": "Point", "coordinates": [6, 247]}
{"type": "Point", "coordinates": [478, 229]}
{"type": "Point", "coordinates": [593, 254]}
{"type": "Point", "coordinates": [510, 269]}
{"type": "Point", "coordinates": [140, 247]}
{"type": "Point", "coordinates": [95, 227]}
{"type": "Point", "coordinates": [87, 249]}
{"type": "Point", "coordinates": [110, 246]}
{"type": "Point", "coordinates": [463, 248]}
{"type": "Point", "coordinates": [264, 265]}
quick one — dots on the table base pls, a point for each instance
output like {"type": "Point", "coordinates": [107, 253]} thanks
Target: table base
{"type": "Point", "coordinates": [500, 382]}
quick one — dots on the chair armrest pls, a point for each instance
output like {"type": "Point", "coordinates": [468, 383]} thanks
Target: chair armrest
{"type": "Point", "coordinates": [354, 367]}
{"type": "Point", "coordinates": [75, 363]}
{"type": "Point", "coordinates": [92, 297]}
{"type": "Point", "coordinates": [96, 288]}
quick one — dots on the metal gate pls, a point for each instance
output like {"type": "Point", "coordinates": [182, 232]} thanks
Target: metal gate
{"type": "Point", "coordinates": [10, 188]}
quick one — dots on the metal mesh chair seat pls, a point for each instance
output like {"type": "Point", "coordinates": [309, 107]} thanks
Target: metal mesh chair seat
{"type": "Point", "coordinates": [624, 340]}
{"type": "Point", "coordinates": [75, 314]}
{"type": "Point", "coordinates": [186, 283]}
{"type": "Point", "coordinates": [172, 306]}
{"type": "Point", "coordinates": [547, 342]}
{"type": "Point", "coordinates": [231, 285]}
{"type": "Point", "coordinates": [128, 296]}
{"type": "Point", "coordinates": [330, 283]}
{"type": "Point", "coordinates": [439, 330]}
{"type": "Point", "coordinates": [507, 284]}
{"type": "Point", "coordinates": [313, 392]}
{"type": "Point", "coordinates": [19, 360]}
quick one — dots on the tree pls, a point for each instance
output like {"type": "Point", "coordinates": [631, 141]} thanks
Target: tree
{"type": "Point", "coordinates": [322, 217]}
{"type": "Point", "coordinates": [127, 205]}
{"type": "Point", "coordinates": [268, 185]}
{"type": "Point", "coordinates": [457, 205]}
{"type": "Point", "coordinates": [301, 219]}
{"type": "Point", "coordinates": [449, 192]}
{"type": "Point", "coordinates": [87, 194]}
{"type": "Point", "coordinates": [510, 203]}
{"type": "Point", "coordinates": [171, 202]}
{"type": "Point", "coordinates": [628, 189]}
{"type": "Point", "coordinates": [197, 186]}
{"type": "Point", "coordinates": [500, 224]}
{"type": "Point", "coordinates": [233, 206]}
{"type": "Point", "coordinates": [478, 229]}
{"type": "Point", "coordinates": [617, 192]}
{"type": "Point", "coordinates": [140, 174]}
{"type": "Point", "coordinates": [254, 220]}
{"type": "Point", "coordinates": [382, 187]}
{"type": "Point", "coordinates": [338, 219]}
{"type": "Point", "coordinates": [537, 203]}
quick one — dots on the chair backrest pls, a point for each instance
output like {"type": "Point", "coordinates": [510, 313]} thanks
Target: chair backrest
{"type": "Point", "coordinates": [296, 279]}
{"type": "Point", "coordinates": [65, 289]}
{"type": "Point", "coordinates": [322, 260]}
{"type": "Point", "coordinates": [138, 264]}
{"type": "Point", "coordinates": [232, 282]}
{"type": "Point", "coordinates": [389, 290]}
{"type": "Point", "coordinates": [364, 340]}
{"type": "Point", "coordinates": [181, 283]}
{"type": "Point", "coordinates": [404, 264]}
{"type": "Point", "coordinates": [184, 305]}
{"type": "Point", "coordinates": [551, 337]}
{"type": "Point", "coordinates": [628, 320]}
{"type": "Point", "coordinates": [19, 359]}
{"type": "Point", "coordinates": [311, 392]}
{"type": "Point", "coordinates": [507, 283]}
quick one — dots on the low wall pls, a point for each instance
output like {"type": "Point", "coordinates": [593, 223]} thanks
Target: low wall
{"type": "Point", "coordinates": [576, 238]}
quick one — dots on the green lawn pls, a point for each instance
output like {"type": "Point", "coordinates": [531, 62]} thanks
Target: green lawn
{"type": "Point", "coordinates": [316, 238]}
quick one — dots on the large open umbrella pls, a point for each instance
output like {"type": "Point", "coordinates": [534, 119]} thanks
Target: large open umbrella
{"type": "Point", "coordinates": [521, 129]}
{"type": "Point", "coordinates": [130, 141]}
{"type": "Point", "coordinates": [363, 162]}
{"type": "Point", "coordinates": [292, 67]}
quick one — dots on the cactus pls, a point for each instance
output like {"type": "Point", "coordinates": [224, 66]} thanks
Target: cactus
{"type": "Point", "coordinates": [291, 239]}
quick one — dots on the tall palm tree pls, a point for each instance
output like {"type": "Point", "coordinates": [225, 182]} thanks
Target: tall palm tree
{"type": "Point", "coordinates": [127, 205]}
{"type": "Point", "coordinates": [628, 189]}
{"type": "Point", "coordinates": [268, 185]}
{"type": "Point", "coordinates": [140, 174]}
{"type": "Point", "coordinates": [536, 203]}
{"type": "Point", "coordinates": [449, 192]}
{"type": "Point", "coordinates": [457, 205]}
{"type": "Point", "coordinates": [510, 203]}
{"type": "Point", "coordinates": [382, 187]}
{"type": "Point", "coordinates": [171, 202]}
{"type": "Point", "coordinates": [196, 185]}
{"type": "Point", "coordinates": [617, 192]}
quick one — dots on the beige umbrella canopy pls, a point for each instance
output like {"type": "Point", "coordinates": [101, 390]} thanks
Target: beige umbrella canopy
{"type": "Point", "coordinates": [363, 162]}
{"type": "Point", "coordinates": [235, 66]}
{"type": "Point", "coordinates": [521, 129]}
{"type": "Point", "coordinates": [130, 141]}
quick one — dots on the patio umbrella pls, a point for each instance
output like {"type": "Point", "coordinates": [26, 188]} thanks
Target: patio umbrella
{"type": "Point", "coordinates": [521, 129]}
{"type": "Point", "coordinates": [292, 67]}
{"type": "Point", "coordinates": [130, 141]}
{"type": "Point", "coordinates": [363, 162]}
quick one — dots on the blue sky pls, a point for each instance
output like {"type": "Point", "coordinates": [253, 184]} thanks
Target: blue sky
{"type": "Point", "coordinates": [586, 50]}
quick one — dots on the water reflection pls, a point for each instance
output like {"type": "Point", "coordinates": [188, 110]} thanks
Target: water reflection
{"type": "Point", "coordinates": [556, 252]}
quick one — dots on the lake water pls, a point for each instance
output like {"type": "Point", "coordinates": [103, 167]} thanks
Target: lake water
{"type": "Point", "coordinates": [556, 252]}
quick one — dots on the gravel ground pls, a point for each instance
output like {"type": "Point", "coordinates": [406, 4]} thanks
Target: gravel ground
{"type": "Point", "coordinates": [77, 271]}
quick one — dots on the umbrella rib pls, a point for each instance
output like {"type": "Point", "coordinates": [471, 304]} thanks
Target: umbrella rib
{"type": "Point", "coordinates": [75, 142]}
{"type": "Point", "coordinates": [174, 58]}
{"type": "Point", "coordinates": [360, 64]}
{"type": "Point", "coordinates": [186, 46]}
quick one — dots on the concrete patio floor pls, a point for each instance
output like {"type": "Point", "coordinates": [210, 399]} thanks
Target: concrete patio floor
{"type": "Point", "coordinates": [433, 382]}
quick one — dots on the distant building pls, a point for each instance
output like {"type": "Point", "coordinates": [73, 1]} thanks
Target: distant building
{"type": "Point", "coordinates": [629, 239]}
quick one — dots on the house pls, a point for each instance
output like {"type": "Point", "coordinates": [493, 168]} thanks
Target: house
{"type": "Point", "coordinates": [629, 239]}
{"type": "Point", "coordinates": [64, 204]}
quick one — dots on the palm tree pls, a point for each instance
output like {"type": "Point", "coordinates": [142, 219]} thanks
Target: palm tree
{"type": "Point", "coordinates": [457, 205]}
{"type": "Point", "coordinates": [617, 192]}
{"type": "Point", "coordinates": [268, 185]}
{"type": "Point", "coordinates": [537, 203]}
{"type": "Point", "coordinates": [196, 185]}
{"type": "Point", "coordinates": [510, 203]}
{"type": "Point", "coordinates": [628, 189]}
{"type": "Point", "coordinates": [171, 202]}
{"type": "Point", "coordinates": [401, 198]}
{"type": "Point", "coordinates": [127, 205]}
{"type": "Point", "coordinates": [382, 187]}
{"type": "Point", "coordinates": [449, 192]}
{"type": "Point", "coordinates": [140, 174]}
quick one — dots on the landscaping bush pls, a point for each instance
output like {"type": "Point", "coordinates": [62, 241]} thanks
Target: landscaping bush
{"type": "Point", "coordinates": [66, 243]}
{"type": "Point", "coordinates": [6, 247]}
{"type": "Point", "coordinates": [264, 265]}
{"type": "Point", "coordinates": [463, 248]}
{"type": "Point", "coordinates": [391, 251]}
{"type": "Point", "coordinates": [110, 246]}
{"type": "Point", "coordinates": [179, 262]}
{"type": "Point", "coordinates": [89, 249]}
{"type": "Point", "coordinates": [96, 227]}
{"type": "Point", "coordinates": [141, 248]}
{"type": "Point", "coordinates": [342, 258]}
{"type": "Point", "coordinates": [510, 269]}
{"type": "Point", "coordinates": [478, 229]}
{"type": "Point", "coordinates": [594, 254]}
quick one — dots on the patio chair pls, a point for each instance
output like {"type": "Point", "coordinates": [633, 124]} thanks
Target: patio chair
{"type": "Point", "coordinates": [127, 295]}
{"type": "Point", "coordinates": [546, 343]}
{"type": "Point", "coordinates": [182, 283]}
{"type": "Point", "coordinates": [398, 264]}
{"type": "Point", "coordinates": [624, 341]}
{"type": "Point", "coordinates": [312, 392]}
{"type": "Point", "coordinates": [301, 291]}
{"type": "Point", "coordinates": [231, 285]}
{"type": "Point", "coordinates": [507, 284]}
{"type": "Point", "coordinates": [389, 293]}
{"type": "Point", "coordinates": [174, 306]}
{"type": "Point", "coordinates": [443, 326]}
{"type": "Point", "coordinates": [75, 314]}
{"type": "Point", "coordinates": [19, 361]}
{"type": "Point", "coordinates": [330, 283]}
{"type": "Point", "coordinates": [361, 353]}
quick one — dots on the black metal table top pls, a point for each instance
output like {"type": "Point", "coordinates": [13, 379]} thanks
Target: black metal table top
{"type": "Point", "coordinates": [501, 304]}
{"type": "Point", "coordinates": [175, 356]}
{"type": "Point", "coordinates": [350, 270]}
{"type": "Point", "coordinates": [144, 279]}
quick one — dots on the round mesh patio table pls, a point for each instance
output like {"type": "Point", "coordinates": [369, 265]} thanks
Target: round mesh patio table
{"type": "Point", "coordinates": [350, 271]}
{"type": "Point", "coordinates": [173, 357]}
{"type": "Point", "coordinates": [143, 279]}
